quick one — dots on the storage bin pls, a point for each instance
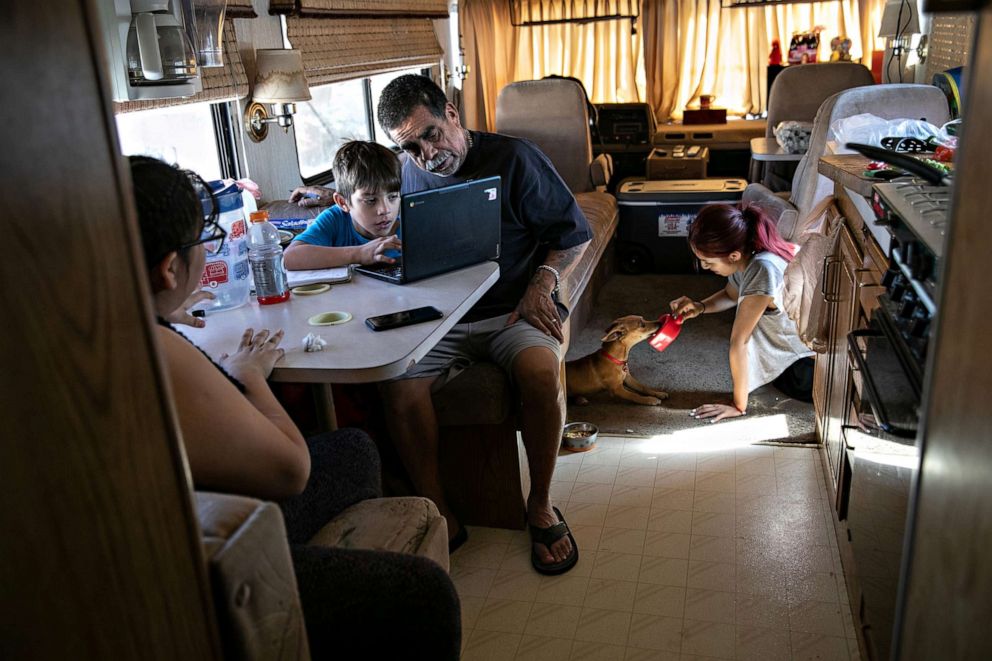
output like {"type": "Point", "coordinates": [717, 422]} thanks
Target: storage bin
{"type": "Point", "coordinates": [655, 218]}
{"type": "Point", "coordinates": [662, 164]}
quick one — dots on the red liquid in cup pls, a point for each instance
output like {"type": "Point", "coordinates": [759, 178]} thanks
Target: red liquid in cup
{"type": "Point", "coordinates": [671, 326]}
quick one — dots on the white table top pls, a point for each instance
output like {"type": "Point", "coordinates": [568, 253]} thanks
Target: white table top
{"type": "Point", "coordinates": [354, 353]}
{"type": "Point", "coordinates": [768, 149]}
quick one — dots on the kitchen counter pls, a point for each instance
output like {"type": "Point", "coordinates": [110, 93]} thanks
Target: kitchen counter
{"type": "Point", "coordinates": [845, 171]}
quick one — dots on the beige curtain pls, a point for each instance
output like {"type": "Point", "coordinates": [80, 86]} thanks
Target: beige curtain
{"type": "Point", "coordinates": [490, 47]}
{"type": "Point", "coordinates": [681, 49]}
{"type": "Point", "coordinates": [695, 47]}
{"type": "Point", "coordinates": [605, 55]}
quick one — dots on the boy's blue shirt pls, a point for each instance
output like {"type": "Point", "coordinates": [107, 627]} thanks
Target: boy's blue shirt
{"type": "Point", "coordinates": [333, 228]}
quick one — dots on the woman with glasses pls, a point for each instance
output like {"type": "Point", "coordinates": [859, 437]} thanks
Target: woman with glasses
{"type": "Point", "coordinates": [239, 439]}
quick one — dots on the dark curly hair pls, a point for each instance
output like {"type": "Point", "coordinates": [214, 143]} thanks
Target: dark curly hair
{"type": "Point", "coordinates": [402, 96]}
{"type": "Point", "coordinates": [170, 204]}
{"type": "Point", "coordinates": [368, 165]}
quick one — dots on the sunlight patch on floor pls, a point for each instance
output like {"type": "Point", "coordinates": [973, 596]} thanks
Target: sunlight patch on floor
{"type": "Point", "coordinates": [725, 435]}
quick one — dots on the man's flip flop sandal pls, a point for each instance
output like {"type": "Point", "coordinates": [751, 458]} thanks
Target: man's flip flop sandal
{"type": "Point", "coordinates": [547, 537]}
{"type": "Point", "coordinates": [456, 542]}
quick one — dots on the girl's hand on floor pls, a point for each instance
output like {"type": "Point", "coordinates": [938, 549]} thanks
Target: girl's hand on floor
{"type": "Point", "coordinates": [715, 412]}
{"type": "Point", "coordinates": [686, 308]}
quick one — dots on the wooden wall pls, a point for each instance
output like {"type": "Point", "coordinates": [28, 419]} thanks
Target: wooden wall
{"type": "Point", "coordinates": [948, 605]}
{"type": "Point", "coordinates": [101, 557]}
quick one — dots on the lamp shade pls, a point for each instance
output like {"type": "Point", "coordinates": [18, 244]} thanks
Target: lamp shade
{"type": "Point", "coordinates": [900, 18]}
{"type": "Point", "coordinates": [279, 77]}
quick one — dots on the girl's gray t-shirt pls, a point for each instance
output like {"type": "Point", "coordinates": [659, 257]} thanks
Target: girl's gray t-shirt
{"type": "Point", "coordinates": [775, 343]}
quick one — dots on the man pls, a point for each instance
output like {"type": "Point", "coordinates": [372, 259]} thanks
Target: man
{"type": "Point", "coordinates": [516, 324]}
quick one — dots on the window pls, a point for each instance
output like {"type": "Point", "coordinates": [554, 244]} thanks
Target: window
{"type": "Point", "coordinates": [377, 84]}
{"type": "Point", "coordinates": [153, 133]}
{"type": "Point", "coordinates": [336, 114]}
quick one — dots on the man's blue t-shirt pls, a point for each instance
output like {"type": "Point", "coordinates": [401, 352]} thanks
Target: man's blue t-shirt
{"type": "Point", "coordinates": [332, 229]}
{"type": "Point", "coordinates": [537, 212]}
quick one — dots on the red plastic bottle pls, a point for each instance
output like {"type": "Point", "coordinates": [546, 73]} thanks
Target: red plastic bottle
{"type": "Point", "coordinates": [671, 326]}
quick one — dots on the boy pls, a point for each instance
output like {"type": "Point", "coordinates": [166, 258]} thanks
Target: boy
{"type": "Point", "coordinates": [361, 226]}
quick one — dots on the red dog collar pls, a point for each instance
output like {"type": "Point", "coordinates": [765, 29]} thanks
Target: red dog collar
{"type": "Point", "coordinates": [616, 361]}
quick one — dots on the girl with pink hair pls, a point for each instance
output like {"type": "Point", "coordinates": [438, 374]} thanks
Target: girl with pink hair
{"type": "Point", "coordinates": [741, 243]}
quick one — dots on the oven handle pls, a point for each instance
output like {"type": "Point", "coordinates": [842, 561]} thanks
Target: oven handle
{"type": "Point", "coordinates": [881, 416]}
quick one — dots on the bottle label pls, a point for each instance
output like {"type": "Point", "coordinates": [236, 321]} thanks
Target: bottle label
{"type": "Point", "coordinates": [270, 277]}
{"type": "Point", "coordinates": [214, 273]}
{"type": "Point", "coordinates": [237, 229]}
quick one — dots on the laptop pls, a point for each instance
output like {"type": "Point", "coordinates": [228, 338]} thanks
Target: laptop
{"type": "Point", "coordinates": [445, 229]}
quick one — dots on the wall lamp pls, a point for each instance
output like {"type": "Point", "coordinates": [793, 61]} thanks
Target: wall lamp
{"type": "Point", "coordinates": [279, 82]}
{"type": "Point", "coordinates": [900, 21]}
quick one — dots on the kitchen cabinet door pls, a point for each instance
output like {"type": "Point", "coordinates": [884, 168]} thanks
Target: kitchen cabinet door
{"type": "Point", "coordinates": [845, 297]}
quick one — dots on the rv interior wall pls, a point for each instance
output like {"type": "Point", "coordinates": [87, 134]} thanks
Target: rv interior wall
{"type": "Point", "coordinates": [948, 603]}
{"type": "Point", "coordinates": [272, 163]}
{"type": "Point", "coordinates": [101, 551]}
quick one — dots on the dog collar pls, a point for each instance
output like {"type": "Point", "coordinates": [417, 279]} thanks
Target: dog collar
{"type": "Point", "coordinates": [616, 361]}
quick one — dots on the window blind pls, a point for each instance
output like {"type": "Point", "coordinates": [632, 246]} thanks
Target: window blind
{"type": "Point", "coordinates": [316, 8]}
{"type": "Point", "coordinates": [239, 9]}
{"type": "Point", "coordinates": [348, 48]}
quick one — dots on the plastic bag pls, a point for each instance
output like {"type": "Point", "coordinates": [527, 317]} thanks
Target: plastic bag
{"type": "Point", "coordinates": [869, 129]}
{"type": "Point", "coordinates": [793, 137]}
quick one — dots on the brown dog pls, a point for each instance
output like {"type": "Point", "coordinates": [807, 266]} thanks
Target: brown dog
{"type": "Point", "coordinates": [607, 368]}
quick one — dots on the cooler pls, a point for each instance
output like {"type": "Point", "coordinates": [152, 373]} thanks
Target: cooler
{"type": "Point", "coordinates": [655, 218]}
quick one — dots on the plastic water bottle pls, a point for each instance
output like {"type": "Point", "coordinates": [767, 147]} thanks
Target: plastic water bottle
{"type": "Point", "coordinates": [265, 257]}
{"type": "Point", "coordinates": [226, 274]}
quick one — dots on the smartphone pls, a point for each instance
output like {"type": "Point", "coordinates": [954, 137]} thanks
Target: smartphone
{"type": "Point", "coordinates": [403, 318]}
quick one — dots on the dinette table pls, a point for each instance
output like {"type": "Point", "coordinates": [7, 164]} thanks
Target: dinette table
{"type": "Point", "coordinates": [354, 353]}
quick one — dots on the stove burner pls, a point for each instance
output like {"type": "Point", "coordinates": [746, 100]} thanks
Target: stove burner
{"type": "Point", "coordinates": [923, 207]}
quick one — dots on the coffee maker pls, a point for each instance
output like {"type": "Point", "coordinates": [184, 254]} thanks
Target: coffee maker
{"type": "Point", "coordinates": [150, 52]}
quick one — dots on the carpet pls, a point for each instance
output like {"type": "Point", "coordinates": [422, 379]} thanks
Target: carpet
{"type": "Point", "coordinates": [694, 369]}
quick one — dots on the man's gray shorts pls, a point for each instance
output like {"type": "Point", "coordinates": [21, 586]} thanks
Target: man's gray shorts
{"type": "Point", "coordinates": [477, 341]}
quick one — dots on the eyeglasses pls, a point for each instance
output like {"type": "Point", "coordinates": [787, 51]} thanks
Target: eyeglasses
{"type": "Point", "coordinates": [212, 237]}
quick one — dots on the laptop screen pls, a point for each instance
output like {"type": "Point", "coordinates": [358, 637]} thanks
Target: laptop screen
{"type": "Point", "coordinates": [450, 228]}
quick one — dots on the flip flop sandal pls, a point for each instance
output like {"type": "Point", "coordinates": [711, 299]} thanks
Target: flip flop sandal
{"type": "Point", "coordinates": [458, 540]}
{"type": "Point", "coordinates": [547, 537]}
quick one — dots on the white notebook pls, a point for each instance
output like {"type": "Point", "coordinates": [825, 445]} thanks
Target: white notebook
{"type": "Point", "coordinates": [330, 276]}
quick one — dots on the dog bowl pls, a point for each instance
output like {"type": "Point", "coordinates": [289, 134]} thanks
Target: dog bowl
{"type": "Point", "coordinates": [579, 436]}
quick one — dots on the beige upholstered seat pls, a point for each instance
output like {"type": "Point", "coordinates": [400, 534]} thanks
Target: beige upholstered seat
{"type": "Point", "coordinates": [553, 114]}
{"type": "Point", "coordinates": [255, 591]}
{"type": "Point", "coordinates": [796, 95]}
{"type": "Point", "coordinates": [808, 185]}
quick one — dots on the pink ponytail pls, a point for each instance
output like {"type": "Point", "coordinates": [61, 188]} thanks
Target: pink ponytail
{"type": "Point", "coordinates": [720, 229]}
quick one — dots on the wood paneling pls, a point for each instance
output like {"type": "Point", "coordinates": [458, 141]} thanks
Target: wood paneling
{"type": "Point", "coordinates": [949, 602]}
{"type": "Point", "coordinates": [101, 553]}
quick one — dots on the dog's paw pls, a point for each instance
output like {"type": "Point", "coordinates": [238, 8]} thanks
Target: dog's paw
{"type": "Point", "coordinates": [660, 395]}
{"type": "Point", "coordinates": [652, 401]}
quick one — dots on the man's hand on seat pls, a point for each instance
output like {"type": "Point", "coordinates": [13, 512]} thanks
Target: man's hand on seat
{"type": "Point", "coordinates": [539, 310]}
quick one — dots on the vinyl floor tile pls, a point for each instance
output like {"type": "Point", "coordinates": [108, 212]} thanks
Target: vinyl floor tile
{"type": "Point", "coordinates": [687, 556]}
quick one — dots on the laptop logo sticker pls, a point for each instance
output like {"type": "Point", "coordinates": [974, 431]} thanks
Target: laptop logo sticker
{"type": "Point", "coordinates": [491, 192]}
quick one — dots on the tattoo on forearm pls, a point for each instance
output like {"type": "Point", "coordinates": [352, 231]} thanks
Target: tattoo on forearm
{"type": "Point", "coordinates": [563, 260]}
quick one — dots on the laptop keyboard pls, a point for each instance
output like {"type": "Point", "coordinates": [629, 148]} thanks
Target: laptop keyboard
{"type": "Point", "coordinates": [391, 271]}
